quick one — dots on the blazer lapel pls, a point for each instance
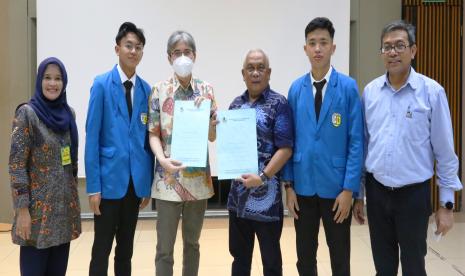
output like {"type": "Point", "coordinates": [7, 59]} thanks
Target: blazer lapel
{"type": "Point", "coordinates": [138, 100]}
{"type": "Point", "coordinates": [118, 95]}
{"type": "Point", "coordinates": [328, 98]}
{"type": "Point", "coordinates": [309, 102]}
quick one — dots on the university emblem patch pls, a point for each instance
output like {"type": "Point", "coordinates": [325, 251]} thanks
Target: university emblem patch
{"type": "Point", "coordinates": [336, 119]}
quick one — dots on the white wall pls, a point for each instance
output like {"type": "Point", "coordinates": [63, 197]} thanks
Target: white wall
{"type": "Point", "coordinates": [81, 33]}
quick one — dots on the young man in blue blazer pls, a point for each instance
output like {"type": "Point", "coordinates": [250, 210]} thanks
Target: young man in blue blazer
{"type": "Point", "coordinates": [325, 170]}
{"type": "Point", "coordinates": [118, 159]}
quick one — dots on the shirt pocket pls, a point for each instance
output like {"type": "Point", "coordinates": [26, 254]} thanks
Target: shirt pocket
{"type": "Point", "coordinates": [417, 126]}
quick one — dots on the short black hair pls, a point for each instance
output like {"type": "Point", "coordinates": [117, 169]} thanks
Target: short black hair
{"type": "Point", "coordinates": [129, 27]}
{"type": "Point", "coordinates": [320, 23]}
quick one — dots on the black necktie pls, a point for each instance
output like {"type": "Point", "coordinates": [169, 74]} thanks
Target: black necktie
{"type": "Point", "coordinates": [318, 96]}
{"type": "Point", "coordinates": [128, 86]}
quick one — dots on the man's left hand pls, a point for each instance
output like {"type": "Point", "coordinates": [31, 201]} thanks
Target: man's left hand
{"type": "Point", "coordinates": [342, 206]}
{"type": "Point", "coordinates": [358, 212]}
{"type": "Point", "coordinates": [250, 180]}
{"type": "Point", "coordinates": [444, 220]}
{"type": "Point", "coordinates": [145, 201]}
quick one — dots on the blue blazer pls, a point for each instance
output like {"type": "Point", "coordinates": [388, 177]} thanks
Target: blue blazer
{"type": "Point", "coordinates": [117, 147]}
{"type": "Point", "coordinates": [328, 155]}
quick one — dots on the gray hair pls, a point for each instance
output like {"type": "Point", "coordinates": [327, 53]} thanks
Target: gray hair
{"type": "Point", "coordinates": [178, 36]}
{"type": "Point", "coordinates": [257, 50]}
{"type": "Point", "coordinates": [400, 25]}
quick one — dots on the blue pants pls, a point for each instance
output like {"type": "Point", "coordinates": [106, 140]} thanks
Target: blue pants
{"type": "Point", "coordinates": [51, 261]}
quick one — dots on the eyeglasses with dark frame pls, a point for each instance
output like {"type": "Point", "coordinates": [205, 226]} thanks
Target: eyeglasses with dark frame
{"type": "Point", "coordinates": [398, 48]}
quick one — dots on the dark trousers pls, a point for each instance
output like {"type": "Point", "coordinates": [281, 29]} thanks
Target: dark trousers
{"type": "Point", "coordinates": [312, 209]}
{"type": "Point", "coordinates": [241, 242]}
{"type": "Point", "coordinates": [398, 218]}
{"type": "Point", "coordinates": [51, 261]}
{"type": "Point", "coordinates": [118, 220]}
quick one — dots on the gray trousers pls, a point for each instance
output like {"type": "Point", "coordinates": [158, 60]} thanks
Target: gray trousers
{"type": "Point", "coordinates": [169, 213]}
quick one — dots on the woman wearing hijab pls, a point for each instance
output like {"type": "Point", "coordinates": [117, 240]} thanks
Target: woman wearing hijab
{"type": "Point", "coordinates": [43, 170]}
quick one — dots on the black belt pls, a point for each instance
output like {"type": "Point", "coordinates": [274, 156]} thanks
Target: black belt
{"type": "Point", "coordinates": [393, 189]}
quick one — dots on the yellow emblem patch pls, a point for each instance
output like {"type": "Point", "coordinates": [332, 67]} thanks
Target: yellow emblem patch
{"type": "Point", "coordinates": [143, 118]}
{"type": "Point", "coordinates": [336, 119]}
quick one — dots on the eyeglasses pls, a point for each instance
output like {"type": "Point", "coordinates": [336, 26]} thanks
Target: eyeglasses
{"type": "Point", "coordinates": [178, 53]}
{"type": "Point", "coordinates": [251, 69]}
{"type": "Point", "coordinates": [398, 48]}
{"type": "Point", "coordinates": [130, 47]}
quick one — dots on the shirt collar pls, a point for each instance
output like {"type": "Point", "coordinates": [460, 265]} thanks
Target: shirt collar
{"type": "Point", "coordinates": [177, 83]}
{"type": "Point", "coordinates": [263, 96]}
{"type": "Point", "coordinates": [412, 80]}
{"type": "Point", "coordinates": [327, 76]}
{"type": "Point", "coordinates": [123, 76]}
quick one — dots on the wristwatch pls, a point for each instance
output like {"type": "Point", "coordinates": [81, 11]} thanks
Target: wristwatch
{"type": "Point", "coordinates": [448, 205]}
{"type": "Point", "coordinates": [263, 177]}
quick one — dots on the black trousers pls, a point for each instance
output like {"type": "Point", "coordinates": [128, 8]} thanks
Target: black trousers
{"type": "Point", "coordinates": [241, 242]}
{"type": "Point", "coordinates": [398, 218]}
{"type": "Point", "coordinates": [312, 209]}
{"type": "Point", "coordinates": [51, 261]}
{"type": "Point", "coordinates": [118, 220]}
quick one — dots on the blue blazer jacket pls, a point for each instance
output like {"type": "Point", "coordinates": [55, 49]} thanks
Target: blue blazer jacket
{"type": "Point", "coordinates": [117, 147]}
{"type": "Point", "coordinates": [328, 155]}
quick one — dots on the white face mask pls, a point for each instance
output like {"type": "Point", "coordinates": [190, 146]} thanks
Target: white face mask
{"type": "Point", "coordinates": [183, 66]}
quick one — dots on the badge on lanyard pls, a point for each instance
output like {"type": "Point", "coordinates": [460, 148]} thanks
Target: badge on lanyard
{"type": "Point", "coordinates": [65, 156]}
{"type": "Point", "coordinates": [143, 118]}
{"type": "Point", "coordinates": [336, 119]}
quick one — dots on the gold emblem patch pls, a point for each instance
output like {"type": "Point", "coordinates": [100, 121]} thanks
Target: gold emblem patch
{"type": "Point", "coordinates": [143, 118]}
{"type": "Point", "coordinates": [336, 119]}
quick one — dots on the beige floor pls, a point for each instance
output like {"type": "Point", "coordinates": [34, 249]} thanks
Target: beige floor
{"type": "Point", "coordinates": [445, 258]}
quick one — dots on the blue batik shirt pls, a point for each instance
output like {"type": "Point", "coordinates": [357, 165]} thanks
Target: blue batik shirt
{"type": "Point", "coordinates": [274, 131]}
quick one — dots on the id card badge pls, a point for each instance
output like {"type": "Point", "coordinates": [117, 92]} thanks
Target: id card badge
{"type": "Point", "coordinates": [65, 156]}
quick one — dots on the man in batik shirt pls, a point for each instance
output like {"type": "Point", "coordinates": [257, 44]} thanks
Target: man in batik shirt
{"type": "Point", "coordinates": [255, 201]}
{"type": "Point", "coordinates": [178, 189]}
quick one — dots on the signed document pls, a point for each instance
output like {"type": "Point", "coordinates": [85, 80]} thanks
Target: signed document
{"type": "Point", "coordinates": [190, 133]}
{"type": "Point", "coordinates": [236, 143]}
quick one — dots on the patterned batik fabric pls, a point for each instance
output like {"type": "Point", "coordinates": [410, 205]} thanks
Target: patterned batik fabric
{"type": "Point", "coordinates": [40, 182]}
{"type": "Point", "coordinates": [274, 131]}
{"type": "Point", "coordinates": [190, 183]}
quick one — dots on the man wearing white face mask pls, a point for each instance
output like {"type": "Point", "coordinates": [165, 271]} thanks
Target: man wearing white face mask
{"type": "Point", "coordinates": [178, 189]}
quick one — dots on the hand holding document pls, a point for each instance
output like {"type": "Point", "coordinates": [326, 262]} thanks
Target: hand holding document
{"type": "Point", "coordinates": [236, 143]}
{"type": "Point", "coordinates": [189, 141]}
